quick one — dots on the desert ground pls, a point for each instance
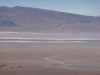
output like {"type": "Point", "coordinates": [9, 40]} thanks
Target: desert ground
{"type": "Point", "coordinates": [39, 58]}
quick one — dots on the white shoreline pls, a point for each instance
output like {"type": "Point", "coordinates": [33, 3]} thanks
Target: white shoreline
{"type": "Point", "coordinates": [47, 41]}
{"type": "Point", "coordinates": [44, 38]}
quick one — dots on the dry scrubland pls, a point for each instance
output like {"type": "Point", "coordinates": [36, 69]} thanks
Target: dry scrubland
{"type": "Point", "coordinates": [50, 58]}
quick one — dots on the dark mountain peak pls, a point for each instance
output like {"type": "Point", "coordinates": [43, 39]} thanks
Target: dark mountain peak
{"type": "Point", "coordinates": [4, 7]}
{"type": "Point", "coordinates": [16, 7]}
{"type": "Point", "coordinates": [7, 23]}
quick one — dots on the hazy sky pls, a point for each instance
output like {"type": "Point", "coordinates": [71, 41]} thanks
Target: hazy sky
{"type": "Point", "coordinates": [83, 7]}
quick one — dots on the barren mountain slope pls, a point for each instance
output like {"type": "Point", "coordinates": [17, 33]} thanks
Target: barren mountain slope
{"type": "Point", "coordinates": [40, 20]}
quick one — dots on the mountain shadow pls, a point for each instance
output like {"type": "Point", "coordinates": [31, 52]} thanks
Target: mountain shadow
{"type": "Point", "coordinates": [7, 23]}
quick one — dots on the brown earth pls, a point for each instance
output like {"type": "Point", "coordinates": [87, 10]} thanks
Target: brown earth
{"type": "Point", "coordinates": [29, 58]}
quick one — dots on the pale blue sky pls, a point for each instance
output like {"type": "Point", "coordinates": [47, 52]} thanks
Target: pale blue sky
{"type": "Point", "coordinates": [82, 7]}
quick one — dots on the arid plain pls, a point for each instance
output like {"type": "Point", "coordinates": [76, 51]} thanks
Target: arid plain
{"type": "Point", "coordinates": [36, 41]}
{"type": "Point", "coordinates": [50, 58]}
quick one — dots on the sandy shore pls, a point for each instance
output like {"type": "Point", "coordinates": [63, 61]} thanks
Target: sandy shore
{"type": "Point", "coordinates": [49, 58]}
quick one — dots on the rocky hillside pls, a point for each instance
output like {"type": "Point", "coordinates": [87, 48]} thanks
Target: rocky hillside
{"type": "Point", "coordinates": [40, 20]}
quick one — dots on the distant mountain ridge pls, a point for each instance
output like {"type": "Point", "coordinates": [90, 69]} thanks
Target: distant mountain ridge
{"type": "Point", "coordinates": [40, 20]}
{"type": "Point", "coordinates": [98, 16]}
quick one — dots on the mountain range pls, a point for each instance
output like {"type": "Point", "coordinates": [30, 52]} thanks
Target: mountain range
{"type": "Point", "coordinates": [40, 20]}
